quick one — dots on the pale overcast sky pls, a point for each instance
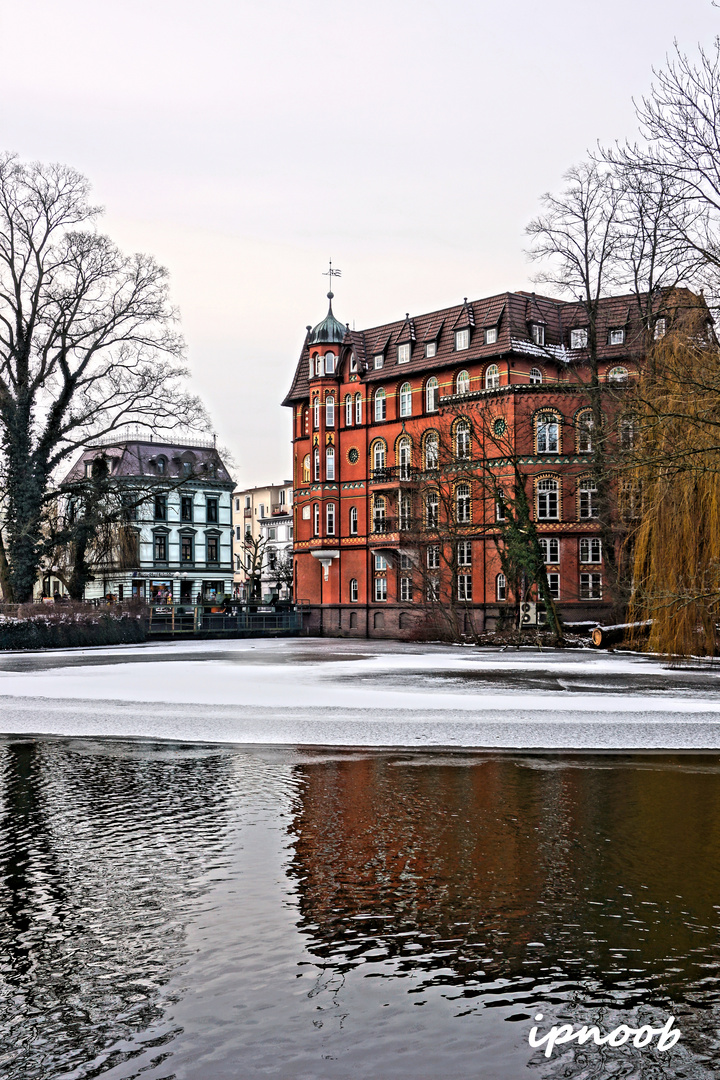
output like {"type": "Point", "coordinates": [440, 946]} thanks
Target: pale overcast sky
{"type": "Point", "coordinates": [244, 143]}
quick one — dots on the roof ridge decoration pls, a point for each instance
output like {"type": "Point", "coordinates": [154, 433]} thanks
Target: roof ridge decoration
{"type": "Point", "coordinates": [466, 316]}
{"type": "Point", "coordinates": [494, 312]}
{"type": "Point", "coordinates": [533, 314]}
{"type": "Point", "coordinates": [434, 327]}
{"type": "Point", "coordinates": [408, 334]}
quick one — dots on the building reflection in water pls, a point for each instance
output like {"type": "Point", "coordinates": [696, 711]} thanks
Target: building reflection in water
{"type": "Point", "coordinates": [102, 855]}
{"type": "Point", "coordinates": [591, 886]}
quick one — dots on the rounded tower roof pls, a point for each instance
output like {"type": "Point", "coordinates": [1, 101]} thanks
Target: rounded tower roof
{"type": "Point", "coordinates": [329, 331]}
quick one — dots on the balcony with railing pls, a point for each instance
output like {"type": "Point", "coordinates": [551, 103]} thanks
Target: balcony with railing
{"type": "Point", "coordinates": [390, 475]}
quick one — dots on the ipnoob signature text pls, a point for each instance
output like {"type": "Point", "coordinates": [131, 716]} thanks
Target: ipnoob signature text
{"type": "Point", "coordinates": [642, 1036]}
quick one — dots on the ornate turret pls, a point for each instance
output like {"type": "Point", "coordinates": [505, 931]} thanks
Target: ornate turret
{"type": "Point", "coordinates": [329, 331]}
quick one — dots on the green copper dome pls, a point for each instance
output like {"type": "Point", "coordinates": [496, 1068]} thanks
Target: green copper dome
{"type": "Point", "coordinates": [329, 331]}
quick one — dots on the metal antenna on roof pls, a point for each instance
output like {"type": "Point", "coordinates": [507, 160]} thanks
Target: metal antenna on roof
{"type": "Point", "coordinates": [331, 274]}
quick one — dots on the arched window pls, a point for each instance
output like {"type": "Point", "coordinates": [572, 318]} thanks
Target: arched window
{"type": "Point", "coordinates": [316, 412]}
{"type": "Point", "coordinates": [404, 510]}
{"type": "Point", "coordinates": [618, 375]}
{"type": "Point", "coordinates": [462, 439]}
{"type": "Point", "coordinates": [358, 408]}
{"type": "Point", "coordinates": [353, 591]}
{"type": "Point", "coordinates": [330, 411]}
{"type": "Point", "coordinates": [547, 432]}
{"type": "Point", "coordinates": [627, 433]}
{"type": "Point", "coordinates": [329, 363]}
{"type": "Point", "coordinates": [161, 465]}
{"type": "Point", "coordinates": [432, 510]}
{"type": "Point", "coordinates": [379, 454]}
{"type": "Point", "coordinates": [584, 424]}
{"type": "Point", "coordinates": [492, 377]}
{"type": "Point", "coordinates": [404, 450]}
{"type": "Point", "coordinates": [431, 450]}
{"type": "Point", "coordinates": [316, 519]}
{"type": "Point", "coordinates": [348, 411]}
{"type": "Point", "coordinates": [587, 498]}
{"type": "Point", "coordinates": [432, 395]}
{"type": "Point", "coordinates": [462, 383]}
{"type": "Point", "coordinates": [318, 365]}
{"type": "Point", "coordinates": [330, 519]}
{"type": "Point", "coordinates": [380, 404]}
{"type": "Point", "coordinates": [329, 463]}
{"type": "Point", "coordinates": [406, 399]}
{"type": "Point", "coordinates": [501, 587]}
{"type": "Point", "coordinates": [379, 517]}
{"type": "Point", "coordinates": [353, 521]}
{"type": "Point", "coordinates": [462, 504]}
{"type": "Point", "coordinates": [547, 502]}
{"type": "Point", "coordinates": [306, 469]}
{"type": "Point", "coordinates": [316, 463]}
{"type": "Point", "coordinates": [535, 376]}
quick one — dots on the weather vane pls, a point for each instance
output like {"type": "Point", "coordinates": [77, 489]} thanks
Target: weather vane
{"type": "Point", "coordinates": [331, 274]}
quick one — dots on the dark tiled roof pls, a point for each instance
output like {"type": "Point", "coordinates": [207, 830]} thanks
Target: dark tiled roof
{"type": "Point", "coordinates": [139, 459]}
{"type": "Point", "coordinates": [511, 312]}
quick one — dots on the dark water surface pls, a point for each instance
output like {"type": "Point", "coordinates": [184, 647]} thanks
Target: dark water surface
{"type": "Point", "coordinates": [171, 910]}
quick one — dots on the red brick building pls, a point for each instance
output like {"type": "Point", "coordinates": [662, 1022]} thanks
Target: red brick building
{"type": "Point", "coordinates": [375, 410]}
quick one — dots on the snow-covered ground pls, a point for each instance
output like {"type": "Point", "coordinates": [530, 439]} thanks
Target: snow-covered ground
{"type": "Point", "coordinates": [328, 692]}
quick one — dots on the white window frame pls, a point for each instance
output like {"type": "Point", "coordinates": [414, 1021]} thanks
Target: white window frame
{"type": "Point", "coordinates": [464, 587]}
{"type": "Point", "coordinates": [354, 591]}
{"type": "Point", "coordinates": [405, 395]}
{"type": "Point", "coordinates": [463, 504]}
{"type": "Point", "coordinates": [550, 546]}
{"type": "Point", "coordinates": [536, 376]}
{"type": "Point", "coordinates": [380, 589]}
{"type": "Point", "coordinates": [492, 377]}
{"type": "Point", "coordinates": [430, 349]}
{"type": "Point", "coordinates": [316, 464]}
{"type": "Point", "coordinates": [406, 589]}
{"type": "Point", "coordinates": [329, 462]}
{"type": "Point", "coordinates": [491, 335]}
{"type": "Point", "coordinates": [462, 340]}
{"type": "Point", "coordinates": [591, 586]}
{"type": "Point", "coordinates": [537, 334]}
{"type": "Point", "coordinates": [616, 336]}
{"type": "Point", "coordinates": [380, 402]}
{"type": "Point", "coordinates": [553, 580]}
{"type": "Point", "coordinates": [587, 505]}
{"type": "Point", "coordinates": [330, 411]}
{"type": "Point", "coordinates": [579, 338]}
{"type": "Point", "coordinates": [547, 433]}
{"type": "Point", "coordinates": [348, 410]}
{"type": "Point", "coordinates": [403, 353]}
{"type": "Point", "coordinates": [432, 395]}
{"type": "Point", "coordinates": [589, 547]}
{"type": "Point", "coordinates": [358, 408]}
{"type": "Point", "coordinates": [330, 519]}
{"type": "Point", "coordinates": [462, 382]}
{"type": "Point", "coordinates": [547, 499]}
{"type": "Point", "coordinates": [464, 553]}
{"type": "Point", "coordinates": [316, 519]}
{"type": "Point", "coordinates": [432, 556]}
{"type": "Point", "coordinates": [353, 521]}
{"type": "Point", "coordinates": [432, 460]}
{"type": "Point", "coordinates": [378, 360]}
{"type": "Point", "coordinates": [500, 588]}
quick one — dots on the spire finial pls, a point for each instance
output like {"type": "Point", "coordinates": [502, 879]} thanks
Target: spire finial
{"type": "Point", "coordinates": [331, 274]}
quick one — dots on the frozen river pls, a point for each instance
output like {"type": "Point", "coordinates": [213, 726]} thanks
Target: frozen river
{"type": "Point", "coordinates": [350, 693]}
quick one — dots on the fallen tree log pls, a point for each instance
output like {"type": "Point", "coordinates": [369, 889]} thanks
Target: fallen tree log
{"type": "Point", "coordinates": [602, 636]}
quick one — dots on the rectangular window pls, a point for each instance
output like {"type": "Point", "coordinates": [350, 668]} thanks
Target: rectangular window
{"type": "Point", "coordinates": [380, 589]}
{"type": "Point", "coordinates": [282, 497]}
{"type": "Point", "coordinates": [537, 333]}
{"type": "Point", "coordinates": [238, 532]}
{"type": "Point", "coordinates": [491, 335]}
{"type": "Point", "coordinates": [272, 534]}
{"type": "Point", "coordinates": [406, 588]}
{"type": "Point", "coordinates": [186, 548]}
{"type": "Point", "coordinates": [591, 586]}
{"type": "Point", "coordinates": [578, 339]}
{"type": "Point", "coordinates": [160, 547]}
{"type": "Point", "coordinates": [432, 589]}
{"type": "Point", "coordinates": [404, 353]}
{"type": "Point", "coordinates": [237, 504]}
{"type": "Point", "coordinates": [660, 329]}
{"type": "Point", "coordinates": [431, 349]}
{"type": "Point", "coordinates": [550, 548]}
{"type": "Point", "coordinates": [405, 561]}
{"type": "Point", "coordinates": [380, 562]}
{"type": "Point", "coordinates": [186, 507]}
{"type": "Point", "coordinates": [617, 336]}
{"type": "Point", "coordinates": [378, 360]}
{"type": "Point", "coordinates": [353, 591]}
{"type": "Point", "coordinates": [591, 550]}
{"type": "Point", "coordinates": [464, 587]}
{"type": "Point", "coordinates": [464, 553]}
{"type": "Point", "coordinates": [554, 585]}
{"type": "Point", "coordinates": [433, 557]}
{"type": "Point", "coordinates": [211, 513]}
{"type": "Point", "coordinates": [161, 508]}
{"type": "Point", "coordinates": [588, 500]}
{"type": "Point", "coordinates": [247, 502]}
{"type": "Point", "coordinates": [212, 549]}
{"type": "Point", "coordinates": [500, 511]}
{"type": "Point", "coordinates": [462, 340]}
{"type": "Point", "coordinates": [330, 519]}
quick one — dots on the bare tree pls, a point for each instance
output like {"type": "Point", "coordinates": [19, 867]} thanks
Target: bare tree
{"type": "Point", "coordinates": [88, 343]}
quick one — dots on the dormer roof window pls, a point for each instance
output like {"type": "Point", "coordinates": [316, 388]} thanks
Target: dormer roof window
{"type": "Point", "coordinates": [378, 360]}
{"type": "Point", "coordinates": [403, 353]}
{"type": "Point", "coordinates": [537, 333]}
{"type": "Point", "coordinates": [660, 328]}
{"type": "Point", "coordinates": [462, 339]}
{"type": "Point", "coordinates": [491, 335]}
{"type": "Point", "coordinates": [579, 338]}
{"type": "Point", "coordinates": [431, 349]}
{"type": "Point", "coordinates": [617, 336]}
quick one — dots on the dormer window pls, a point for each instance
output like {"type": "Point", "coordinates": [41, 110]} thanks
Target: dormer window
{"type": "Point", "coordinates": [579, 338]}
{"type": "Point", "coordinates": [378, 360]}
{"type": "Point", "coordinates": [353, 362]}
{"type": "Point", "coordinates": [491, 335]}
{"type": "Point", "coordinates": [462, 340]}
{"type": "Point", "coordinates": [88, 469]}
{"type": "Point", "coordinates": [403, 355]}
{"type": "Point", "coordinates": [161, 466]}
{"type": "Point", "coordinates": [660, 328]}
{"type": "Point", "coordinates": [431, 349]}
{"type": "Point", "coordinates": [617, 336]}
{"type": "Point", "coordinates": [537, 333]}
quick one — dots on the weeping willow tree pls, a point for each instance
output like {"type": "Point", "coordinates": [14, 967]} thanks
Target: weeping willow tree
{"type": "Point", "coordinates": [670, 483]}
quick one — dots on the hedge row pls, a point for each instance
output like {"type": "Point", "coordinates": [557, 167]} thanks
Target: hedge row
{"type": "Point", "coordinates": [46, 632]}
